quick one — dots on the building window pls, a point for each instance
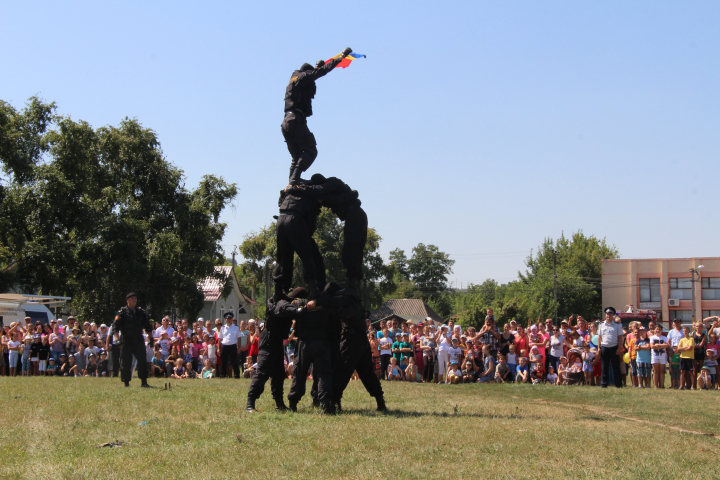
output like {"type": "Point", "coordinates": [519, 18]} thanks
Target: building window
{"type": "Point", "coordinates": [710, 288]}
{"type": "Point", "coordinates": [649, 289]}
{"type": "Point", "coordinates": [681, 288]}
{"type": "Point", "coordinates": [710, 313]}
{"type": "Point", "coordinates": [684, 315]}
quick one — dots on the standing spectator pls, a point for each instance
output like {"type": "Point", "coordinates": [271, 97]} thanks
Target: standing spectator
{"type": "Point", "coordinates": [416, 342]}
{"type": "Point", "coordinates": [506, 340]}
{"type": "Point", "coordinates": [610, 337]}
{"type": "Point", "coordinates": [229, 335]}
{"type": "Point", "coordinates": [521, 340]}
{"type": "Point", "coordinates": [712, 344]}
{"type": "Point", "coordinates": [444, 343]}
{"type": "Point", "coordinates": [57, 344]}
{"type": "Point", "coordinates": [658, 345]}
{"type": "Point", "coordinates": [632, 351]}
{"type": "Point", "coordinates": [455, 353]}
{"type": "Point", "coordinates": [253, 342]}
{"type": "Point", "coordinates": [711, 364]}
{"type": "Point", "coordinates": [165, 327]}
{"type": "Point", "coordinates": [676, 334]}
{"type": "Point", "coordinates": [675, 371]}
{"type": "Point", "coordinates": [644, 363]}
{"type": "Point", "coordinates": [401, 347]}
{"type": "Point", "coordinates": [385, 345]}
{"type": "Point", "coordinates": [489, 335]}
{"type": "Point", "coordinates": [700, 340]}
{"type": "Point", "coordinates": [557, 342]}
{"type": "Point", "coordinates": [245, 343]}
{"type": "Point", "coordinates": [43, 354]}
{"type": "Point", "coordinates": [34, 348]}
{"type": "Point", "coordinates": [428, 349]}
{"type": "Point", "coordinates": [375, 350]}
{"type": "Point", "coordinates": [13, 347]}
{"type": "Point", "coordinates": [686, 347]}
{"type": "Point", "coordinates": [588, 359]}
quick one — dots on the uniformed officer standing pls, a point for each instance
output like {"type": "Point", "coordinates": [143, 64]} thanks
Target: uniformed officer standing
{"type": "Point", "coordinates": [298, 106]}
{"type": "Point", "coordinates": [610, 339]}
{"type": "Point", "coordinates": [229, 349]}
{"type": "Point", "coordinates": [130, 321]}
{"type": "Point", "coordinates": [271, 351]}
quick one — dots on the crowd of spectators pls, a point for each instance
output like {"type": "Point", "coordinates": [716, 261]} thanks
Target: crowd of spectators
{"type": "Point", "coordinates": [542, 352]}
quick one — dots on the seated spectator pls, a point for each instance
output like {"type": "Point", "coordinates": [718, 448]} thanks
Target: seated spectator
{"type": "Point", "coordinates": [102, 369]}
{"type": "Point", "coordinates": [704, 382]}
{"type": "Point", "coordinates": [208, 371]}
{"type": "Point", "coordinates": [455, 375]}
{"type": "Point", "coordinates": [562, 370]}
{"type": "Point", "coordinates": [711, 365]}
{"type": "Point", "coordinates": [522, 372]}
{"type": "Point", "coordinates": [502, 371]}
{"type": "Point", "coordinates": [512, 362]}
{"type": "Point", "coordinates": [249, 368]}
{"type": "Point", "coordinates": [158, 366]}
{"type": "Point", "coordinates": [52, 369]}
{"type": "Point", "coordinates": [178, 370]}
{"type": "Point", "coordinates": [535, 359]}
{"type": "Point", "coordinates": [411, 372]}
{"type": "Point", "coordinates": [540, 372]}
{"type": "Point", "coordinates": [588, 358]}
{"type": "Point", "coordinates": [394, 372]}
{"type": "Point", "coordinates": [488, 373]}
{"type": "Point", "coordinates": [468, 372]}
{"type": "Point", "coordinates": [91, 368]}
{"type": "Point", "coordinates": [552, 377]}
{"type": "Point", "coordinates": [66, 369]}
{"type": "Point", "coordinates": [170, 364]}
{"type": "Point", "coordinates": [577, 366]}
{"type": "Point", "coordinates": [190, 371]}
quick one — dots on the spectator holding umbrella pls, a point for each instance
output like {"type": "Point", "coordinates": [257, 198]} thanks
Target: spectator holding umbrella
{"type": "Point", "coordinates": [610, 340]}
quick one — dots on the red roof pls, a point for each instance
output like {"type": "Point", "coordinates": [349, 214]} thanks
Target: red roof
{"type": "Point", "coordinates": [212, 287]}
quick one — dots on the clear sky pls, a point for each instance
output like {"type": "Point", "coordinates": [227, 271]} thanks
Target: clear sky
{"type": "Point", "coordinates": [481, 127]}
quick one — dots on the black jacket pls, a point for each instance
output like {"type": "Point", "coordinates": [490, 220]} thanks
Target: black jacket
{"type": "Point", "coordinates": [334, 194]}
{"type": "Point", "coordinates": [301, 89]}
{"type": "Point", "coordinates": [131, 324]}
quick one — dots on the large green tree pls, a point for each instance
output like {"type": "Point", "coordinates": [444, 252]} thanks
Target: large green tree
{"type": "Point", "coordinates": [103, 212]}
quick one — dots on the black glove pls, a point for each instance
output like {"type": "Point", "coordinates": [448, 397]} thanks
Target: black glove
{"type": "Point", "coordinates": [355, 194]}
{"type": "Point", "coordinates": [319, 63]}
{"type": "Point", "coordinates": [347, 52]}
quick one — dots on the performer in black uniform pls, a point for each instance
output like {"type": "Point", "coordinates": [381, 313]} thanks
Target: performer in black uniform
{"type": "Point", "coordinates": [298, 106]}
{"type": "Point", "coordinates": [344, 202]}
{"type": "Point", "coordinates": [270, 362]}
{"type": "Point", "coordinates": [130, 321]}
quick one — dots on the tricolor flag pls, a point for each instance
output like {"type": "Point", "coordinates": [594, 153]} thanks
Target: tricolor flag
{"type": "Point", "coordinates": [346, 61]}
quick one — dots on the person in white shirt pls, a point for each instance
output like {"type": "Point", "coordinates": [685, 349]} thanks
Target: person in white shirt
{"type": "Point", "coordinates": [442, 340]}
{"type": "Point", "coordinates": [610, 338]}
{"type": "Point", "coordinates": [164, 328]}
{"type": "Point", "coordinates": [229, 348]}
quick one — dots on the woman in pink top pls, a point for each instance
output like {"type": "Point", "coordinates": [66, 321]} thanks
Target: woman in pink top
{"type": "Point", "coordinates": [521, 341]}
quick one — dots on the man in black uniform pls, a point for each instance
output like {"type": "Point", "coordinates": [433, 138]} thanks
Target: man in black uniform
{"type": "Point", "coordinates": [298, 216]}
{"type": "Point", "coordinates": [344, 202]}
{"type": "Point", "coordinates": [311, 330]}
{"type": "Point", "coordinates": [270, 362]}
{"type": "Point", "coordinates": [298, 106]}
{"type": "Point", "coordinates": [130, 321]}
{"type": "Point", "coordinates": [355, 356]}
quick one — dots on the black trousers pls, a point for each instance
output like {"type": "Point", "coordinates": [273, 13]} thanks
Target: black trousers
{"type": "Point", "coordinates": [610, 359]}
{"type": "Point", "coordinates": [334, 347]}
{"type": "Point", "coordinates": [270, 365]}
{"type": "Point", "coordinates": [313, 352]}
{"type": "Point", "coordinates": [384, 364]}
{"type": "Point", "coordinates": [293, 237]}
{"type": "Point", "coordinates": [300, 141]}
{"type": "Point", "coordinates": [355, 233]}
{"type": "Point", "coordinates": [355, 355]}
{"type": "Point", "coordinates": [115, 351]}
{"type": "Point", "coordinates": [134, 348]}
{"type": "Point", "coordinates": [229, 356]}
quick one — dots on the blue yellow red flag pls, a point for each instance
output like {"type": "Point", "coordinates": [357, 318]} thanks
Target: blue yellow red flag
{"type": "Point", "coordinates": [347, 60]}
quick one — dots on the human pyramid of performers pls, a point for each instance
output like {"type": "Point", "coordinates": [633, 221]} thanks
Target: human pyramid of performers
{"type": "Point", "coordinates": [329, 320]}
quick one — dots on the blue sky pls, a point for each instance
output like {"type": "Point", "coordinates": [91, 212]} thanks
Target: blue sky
{"type": "Point", "coordinates": [480, 127]}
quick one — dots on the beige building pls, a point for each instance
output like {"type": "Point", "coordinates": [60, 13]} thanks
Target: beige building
{"type": "Point", "coordinates": [665, 285]}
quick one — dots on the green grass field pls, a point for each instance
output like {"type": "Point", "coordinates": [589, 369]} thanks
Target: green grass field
{"type": "Point", "coordinates": [51, 428]}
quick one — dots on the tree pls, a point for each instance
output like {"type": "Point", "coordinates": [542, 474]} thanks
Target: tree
{"type": "Point", "coordinates": [429, 268]}
{"type": "Point", "coordinates": [105, 213]}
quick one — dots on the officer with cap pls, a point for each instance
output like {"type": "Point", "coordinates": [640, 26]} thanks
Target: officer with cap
{"type": "Point", "coordinates": [298, 106]}
{"type": "Point", "coordinates": [130, 321]}
{"type": "Point", "coordinates": [279, 315]}
{"type": "Point", "coordinates": [343, 201]}
{"type": "Point", "coordinates": [610, 340]}
{"type": "Point", "coordinates": [229, 348]}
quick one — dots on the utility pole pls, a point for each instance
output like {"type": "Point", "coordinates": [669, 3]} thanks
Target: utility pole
{"type": "Point", "coordinates": [693, 272]}
{"type": "Point", "coordinates": [555, 283]}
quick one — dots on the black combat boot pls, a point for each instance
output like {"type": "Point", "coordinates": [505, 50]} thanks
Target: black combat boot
{"type": "Point", "coordinates": [316, 403]}
{"type": "Point", "coordinates": [127, 384]}
{"type": "Point", "coordinates": [250, 407]}
{"type": "Point", "coordinates": [328, 408]}
{"type": "Point", "coordinates": [293, 405]}
{"type": "Point", "coordinates": [352, 289]}
{"type": "Point", "coordinates": [280, 405]}
{"type": "Point", "coordinates": [295, 177]}
{"type": "Point", "coordinates": [144, 384]}
{"type": "Point", "coordinates": [381, 404]}
{"type": "Point", "coordinates": [338, 406]}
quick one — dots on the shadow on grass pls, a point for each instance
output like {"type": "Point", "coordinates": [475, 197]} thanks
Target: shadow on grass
{"type": "Point", "coordinates": [414, 414]}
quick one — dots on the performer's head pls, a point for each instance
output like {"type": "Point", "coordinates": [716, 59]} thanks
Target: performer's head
{"type": "Point", "coordinates": [131, 299]}
{"type": "Point", "coordinates": [305, 67]}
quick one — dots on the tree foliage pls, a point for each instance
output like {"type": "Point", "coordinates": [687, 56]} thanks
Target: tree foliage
{"type": "Point", "coordinates": [106, 213]}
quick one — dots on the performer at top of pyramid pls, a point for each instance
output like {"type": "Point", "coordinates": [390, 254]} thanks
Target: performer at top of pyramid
{"type": "Point", "coordinates": [298, 106]}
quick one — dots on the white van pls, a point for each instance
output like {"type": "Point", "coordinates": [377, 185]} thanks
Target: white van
{"type": "Point", "coordinates": [14, 307]}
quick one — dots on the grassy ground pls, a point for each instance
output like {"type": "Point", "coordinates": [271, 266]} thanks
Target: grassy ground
{"type": "Point", "coordinates": [50, 428]}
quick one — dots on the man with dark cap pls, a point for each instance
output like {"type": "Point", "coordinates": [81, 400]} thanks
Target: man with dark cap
{"type": "Point", "coordinates": [130, 321]}
{"type": "Point", "coordinates": [229, 348]}
{"type": "Point", "coordinates": [298, 106]}
{"type": "Point", "coordinates": [279, 315]}
{"type": "Point", "coordinates": [343, 201]}
{"type": "Point", "coordinates": [610, 341]}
